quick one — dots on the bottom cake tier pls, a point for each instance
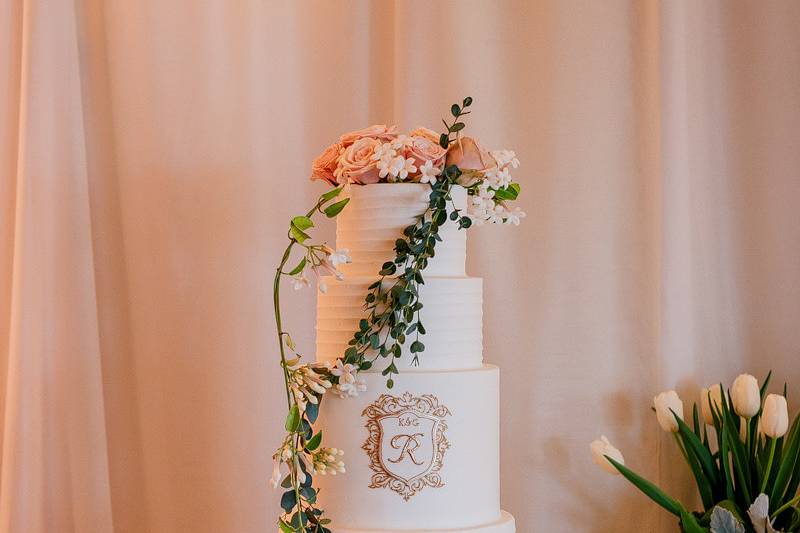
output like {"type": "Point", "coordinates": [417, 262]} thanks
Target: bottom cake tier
{"type": "Point", "coordinates": [422, 456]}
{"type": "Point", "coordinates": [505, 524]}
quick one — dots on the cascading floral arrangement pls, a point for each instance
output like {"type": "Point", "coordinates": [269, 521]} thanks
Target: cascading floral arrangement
{"type": "Point", "coordinates": [744, 458]}
{"type": "Point", "coordinates": [392, 307]}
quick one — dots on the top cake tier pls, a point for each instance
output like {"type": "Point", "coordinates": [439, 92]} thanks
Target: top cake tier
{"type": "Point", "coordinates": [375, 218]}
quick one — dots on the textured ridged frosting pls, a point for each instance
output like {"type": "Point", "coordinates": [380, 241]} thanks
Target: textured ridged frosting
{"type": "Point", "coordinates": [452, 316]}
{"type": "Point", "coordinates": [375, 218]}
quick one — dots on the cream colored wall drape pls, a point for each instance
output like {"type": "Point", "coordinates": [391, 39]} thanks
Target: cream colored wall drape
{"type": "Point", "coordinates": [152, 151]}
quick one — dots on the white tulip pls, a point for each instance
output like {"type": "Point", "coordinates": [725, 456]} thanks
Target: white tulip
{"type": "Point", "coordinates": [717, 396]}
{"type": "Point", "coordinates": [775, 418]}
{"type": "Point", "coordinates": [665, 403]}
{"type": "Point", "coordinates": [602, 448]}
{"type": "Point", "coordinates": [746, 396]}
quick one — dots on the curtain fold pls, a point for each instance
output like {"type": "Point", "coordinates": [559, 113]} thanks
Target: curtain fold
{"type": "Point", "coordinates": [151, 153]}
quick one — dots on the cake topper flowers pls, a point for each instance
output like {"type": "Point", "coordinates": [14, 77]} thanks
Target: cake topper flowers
{"type": "Point", "coordinates": [392, 304]}
{"type": "Point", "coordinates": [380, 154]}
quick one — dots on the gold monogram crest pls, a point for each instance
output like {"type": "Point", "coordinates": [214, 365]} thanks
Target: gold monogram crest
{"type": "Point", "coordinates": [406, 442]}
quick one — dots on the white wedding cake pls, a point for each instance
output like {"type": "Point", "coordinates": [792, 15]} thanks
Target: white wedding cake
{"type": "Point", "coordinates": [422, 456]}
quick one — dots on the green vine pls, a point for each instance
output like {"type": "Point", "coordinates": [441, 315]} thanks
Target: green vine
{"type": "Point", "coordinates": [393, 306]}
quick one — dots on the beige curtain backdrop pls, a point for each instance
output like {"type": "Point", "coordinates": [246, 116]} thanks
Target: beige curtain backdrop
{"type": "Point", "coordinates": [151, 152]}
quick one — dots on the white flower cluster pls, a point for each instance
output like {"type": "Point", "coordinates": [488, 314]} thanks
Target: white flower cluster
{"type": "Point", "coordinates": [305, 383]}
{"type": "Point", "coordinates": [322, 461]}
{"type": "Point", "coordinates": [349, 383]}
{"type": "Point", "coordinates": [390, 161]}
{"type": "Point", "coordinates": [321, 261]}
{"type": "Point", "coordinates": [327, 461]}
{"type": "Point", "coordinates": [485, 207]}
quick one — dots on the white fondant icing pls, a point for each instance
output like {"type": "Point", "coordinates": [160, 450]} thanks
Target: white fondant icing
{"type": "Point", "coordinates": [375, 218]}
{"type": "Point", "coordinates": [505, 524]}
{"type": "Point", "coordinates": [469, 495]}
{"type": "Point", "coordinates": [461, 493]}
{"type": "Point", "coordinates": [452, 316]}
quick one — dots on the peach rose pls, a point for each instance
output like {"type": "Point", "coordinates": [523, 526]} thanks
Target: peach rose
{"type": "Point", "coordinates": [378, 131]}
{"type": "Point", "coordinates": [425, 132]}
{"type": "Point", "coordinates": [324, 166]}
{"type": "Point", "coordinates": [470, 158]}
{"type": "Point", "coordinates": [356, 163]}
{"type": "Point", "coordinates": [423, 149]}
{"type": "Point", "coordinates": [467, 154]}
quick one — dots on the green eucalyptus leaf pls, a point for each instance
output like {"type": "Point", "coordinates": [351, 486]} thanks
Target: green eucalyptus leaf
{"type": "Point", "coordinates": [285, 528]}
{"type": "Point", "coordinates": [331, 194]}
{"type": "Point", "coordinates": [288, 500]}
{"type": "Point", "coordinates": [315, 441]}
{"type": "Point", "coordinates": [312, 412]}
{"type": "Point", "coordinates": [334, 209]}
{"type": "Point", "coordinates": [293, 419]}
{"type": "Point", "coordinates": [455, 110]}
{"type": "Point", "coordinates": [467, 101]}
{"type": "Point", "coordinates": [299, 268]}
{"type": "Point", "coordinates": [302, 223]}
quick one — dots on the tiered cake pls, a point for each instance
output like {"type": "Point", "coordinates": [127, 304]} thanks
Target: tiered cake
{"type": "Point", "coordinates": [424, 455]}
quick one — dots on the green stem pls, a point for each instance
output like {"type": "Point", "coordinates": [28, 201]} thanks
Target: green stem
{"type": "Point", "coordinates": [769, 464]}
{"type": "Point", "coordinates": [276, 302]}
{"type": "Point", "coordinates": [790, 503]}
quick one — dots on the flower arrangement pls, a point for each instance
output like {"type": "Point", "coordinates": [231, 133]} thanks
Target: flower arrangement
{"type": "Point", "coordinates": [392, 306]}
{"type": "Point", "coordinates": [743, 455]}
{"type": "Point", "coordinates": [381, 154]}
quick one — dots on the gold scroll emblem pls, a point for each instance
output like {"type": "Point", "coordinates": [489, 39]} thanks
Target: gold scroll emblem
{"type": "Point", "coordinates": [406, 442]}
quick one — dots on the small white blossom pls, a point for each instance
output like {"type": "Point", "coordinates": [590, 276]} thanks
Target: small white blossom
{"type": "Point", "coordinates": [496, 215]}
{"type": "Point", "coordinates": [505, 158]}
{"type": "Point", "coordinates": [275, 480]}
{"type": "Point", "coordinates": [401, 141]}
{"type": "Point", "coordinates": [384, 152]}
{"type": "Point", "coordinates": [340, 257]}
{"type": "Point", "coordinates": [504, 178]}
{"type": "Point", "coordinates": [428, 172]}
{"type": "Point", "coordinates": [398, 168]}
{"type": "Point", "coordinates": [514, 216]}
{"type": "Point", "coordinates": [300, 281]}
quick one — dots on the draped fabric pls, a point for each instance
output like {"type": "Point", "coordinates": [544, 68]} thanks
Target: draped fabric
{"type": "Point", "coordinates": [151, 153]}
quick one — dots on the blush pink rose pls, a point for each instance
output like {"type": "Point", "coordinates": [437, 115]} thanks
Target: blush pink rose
{"type": "Point", "coordinates": [423, 149]}
{"type": "Point", "coordinates": [471, 159]}
{"type": "Point", "coordinates": [378, 131]}
{"type": "Point", "coordinates": [425, 132]}
{"type": "Point", "coordinates": [324, 166]}
{"type": "Point", "coordinates": [356, 163]}
{"type": "Point", "coordinates": [467, 154]}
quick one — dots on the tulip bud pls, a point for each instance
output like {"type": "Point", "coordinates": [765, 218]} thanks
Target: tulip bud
{"type": "Point", "coordinates": [665, 403]}
{"type": "Point", "coordinates": [716, 396]}
{"type": "Point", "coordinates": [775, 417]}
{"type": "Point", "coordinates": [602, 448]}
{"type": "Point", "coordinates": [746, 396]}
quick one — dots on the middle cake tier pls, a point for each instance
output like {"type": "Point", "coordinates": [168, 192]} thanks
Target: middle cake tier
{"type": "Point", "coordinates": [452, 316]}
